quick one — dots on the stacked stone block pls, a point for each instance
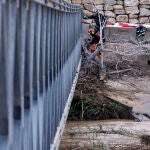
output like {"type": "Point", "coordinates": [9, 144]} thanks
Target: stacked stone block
{"type": "Point", "coordinates": [132, 11]}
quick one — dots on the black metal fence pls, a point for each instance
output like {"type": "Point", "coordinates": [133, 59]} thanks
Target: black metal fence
{"type": "Point", "coordinates": [39, 54]}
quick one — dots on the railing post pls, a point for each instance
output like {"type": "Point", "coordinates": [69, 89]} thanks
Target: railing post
{"type": "Point", "coordinates": [37, 67]}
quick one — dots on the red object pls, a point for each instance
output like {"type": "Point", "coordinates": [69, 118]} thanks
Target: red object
{"type": "Point", "coordinates": [91, 31]}
{"type": "Point", "coordinates": [123, 24]}
{"type": "Point", "coordinates": [98, 36]}
{"type": "Point", "coordinates": [108, 23]}
{"type": "Point", "coordinates": [92, 49]}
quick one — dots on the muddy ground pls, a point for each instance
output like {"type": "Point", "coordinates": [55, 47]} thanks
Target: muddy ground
{"type": "Point", "coordinates": [123, 96]}
{"type": "Point", "coordinates": [91, 99]}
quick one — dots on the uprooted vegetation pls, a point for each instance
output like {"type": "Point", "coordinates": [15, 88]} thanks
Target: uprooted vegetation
{"type": "Point", "coordinates": [91, 107]}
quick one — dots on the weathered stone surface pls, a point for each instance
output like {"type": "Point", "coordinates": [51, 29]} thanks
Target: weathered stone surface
{"type": "Point", "coordinates": [131, 2]}
{"type": "Point", "coordinates": [86, 1]}
{"type": "Point", "coordinates": [88, 7]}
{"type": "Point", "coordinates": [120, 2]}
{"type": "Point", "coordinates": [145, 2]}
{"type": "Point", "coordinates": [122, 18]}
{"type": "Point", "coordinates": [144, 12]}
{"type": "Point", "coordinates": [120, 12]}
{"type": "Point", "coordinates": [118, 7]}
{"type": "Point", "coordinates": [77, 1]}
{"type": "Point", "coordinates": [88, 21]}
{"type": "Point", "coordinates": [87, 13]}
{"type": "Point", "coordinates": [144, 20]}
{"type": "Point", "coordinates": [110, 2]}
{"type": "Point", "coordinates": [132, 16]}
{"type": "Point", "coordinates": [145, 6]}
{"type": "Point", "coordinates": [108, 7]}
{"type": "Point", "coordinates": [134, 21]}
{"type": "Point", "coordinates": [99, 2]}
{"type": "Point", "coordinates": [100, 7]}
{"type": "Point", "coordinates": [111, 20]}
{"type": "Point", "coordinates": [110, 14]}
{"type": "Point", "coordinates": [132, 10]}
{"type": "Point", "coordinates": [102, 12]}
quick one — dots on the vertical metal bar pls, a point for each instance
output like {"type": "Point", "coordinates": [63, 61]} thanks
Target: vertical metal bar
{"type": "Point", "coordinates": [0, 27]}
{"type": "Point", "coordinates": [42, 77]}
{"type": "Point", "coordinates": [52, 77]}
{"type": "Point", "coordinates": [36, 75]}
{"type": "Point", "coordinates": [3, 48]}
{"type": "Point", "coordinates": [29, 77]}
{"type": "Point", "coordinates": [12, 14]}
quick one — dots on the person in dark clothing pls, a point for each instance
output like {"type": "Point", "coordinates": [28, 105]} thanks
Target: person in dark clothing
{"type": "Point", "coordinates": [95, 37]}
{"type": "Point", "coordinates": [95, 17]}
{"type": "Point", "coordinates": [94, 42]}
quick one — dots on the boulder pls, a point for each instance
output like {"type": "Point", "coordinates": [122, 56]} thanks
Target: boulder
{"type": "Point", "coordinates": [131, 2]}
{"type": "Point", "coordinates": [100, 7]}
{"type": "Point", "coordinates": [110, 2]}
{"type": "Point", "coordinates": [144, 12]}
{"type": "Point", "coordinates": [144, 20]}
{"type": "Point", "coordinates": [120, 12]}
{"type": "Point", "coordinates": [89, 7]}
{"type": "Point", "coordinates": [86, 1]}
{"type": "Point", "coordinates": [132, 10]}
{"type": "Point", "coordinates": [132, 16]}
{"type": "Point", "coordinates": [120, 2]}
{"type": "Point", "coordinates": [111, 20]}
{"type": "Point", "coordinates": [145, 2]}
{"type": "Point", "coordinates": [133, 21]}
{"type": "Point", "coordinates": [122, 18]}
{"type": "Point", "coordinates": [118, 7]}
{"type": "Point", "coordinates": [108, 7]}
{"type": "Point", "coordinates": [87, 21]}
{"type": "Point", "coordinates": [87, 13]}
{"type": "Point", "coordinates": [99, 2]}
{"type": "Point", "coordinates": [145, 6]}
{"type": "Point", "coordinates": [77, 1]}
{"type": "Point", "coordinates": [110, 14]}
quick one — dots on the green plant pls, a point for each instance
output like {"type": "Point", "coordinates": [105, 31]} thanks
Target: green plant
{"type": "Point", "coordinates": [114, 109]}
{"type": "Point", "coordinates": [145, 139]}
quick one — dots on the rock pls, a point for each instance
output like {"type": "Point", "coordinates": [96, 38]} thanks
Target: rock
{"type": "Point", "coordinates": [86, 1]}
{"type": "Point", "coordinates": [144, 20]}
{"type": "Point", "coordinates": [118, 7]}
{"type": "Point", "coordinates": [120, 12]}
{"type": "Point", "coordinates": [101, 12]}
{"type": "Point", "coordinates": [87, 21]}
{"type": "Point", "coordinates": [100, 7]}
{"type": "Point", "coordinates": [110, 2]}
{"type": "Point", "coordinates": [99, 2]}
{"type": "Point", "coordinates": [108, 7]}
{"type": "Point", "coordinates": [110, 14]}
{"type": "Point", "coordinates": [120, 2]}
{"type": "Point", "coordinates": [122, 18]}
{"type": "Point", "coordinates": [132, 16]}
{"type": "Point", "coordinates": [132, 10]}
{"type": "Point", "coordinates": [145, 6]}
{"type": "Point", "coordinates": [77, 1]}
{"type": "Point", "coordinates": [134, 21]}
{"type": "Point", "coordinates": [131, 2]}
{"type": "Point", "coordinates": [111, 20]}
{"type": "Point", "coordinates": [89, 7]}
{"type": "Point", "coordinates": [145, 2]}
{"type": "Point", "coordinates": [87, 13]}
{"type": "Point", "coordinates": [144, 12]}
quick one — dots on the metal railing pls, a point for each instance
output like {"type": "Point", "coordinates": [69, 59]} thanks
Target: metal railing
{"type": "Point", "coordinates": [39, 53]}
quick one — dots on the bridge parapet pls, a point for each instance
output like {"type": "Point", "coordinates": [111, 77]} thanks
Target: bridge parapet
{"type": "Point", "coordinates": [40, 44]}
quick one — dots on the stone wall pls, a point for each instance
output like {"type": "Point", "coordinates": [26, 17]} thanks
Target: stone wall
{"type": "Point", "coordinates": [132, 11]}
